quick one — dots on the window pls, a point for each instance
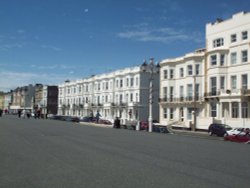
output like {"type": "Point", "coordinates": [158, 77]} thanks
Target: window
{"type": "Point", "coordinates": [235, 110]}
{"type": "Point", "coordinates": [244, 55]}
{"type": "Point", "coordinates": [213, 60]}
{"type": "Point", "coordinates": [244, 110]}
{"type": "Point", "coordinates": [171, 93]}
{"type": "Point", "coordinates": [233, 82]}
{"type": "Point", "coordinates": [107, 85]}
{"type": "Point", "coordinates": [222, 59]}
{"type": "Point", "coordinates": [244, 35]}
{"type": "Point", "coordinates": [121, 83]}
{"type": "Point", "coordinates": [171, 73]}
{"type": "Point", "coordinates": [136, 81]}
{"type": "Point", "coordinates": [79, 89]}
{"type": "Point", "coordinates": [131, 97]}
{"type": "Point", "coordinates": [233, 38]}
{"type": "Point", "coordinates": [127, 82]}
{"type": "Point", "coordinates": [213, 86]}
{"type": "Point", "coordinates": [233, 58]}
{"type": "Point", "coordinates": [218, 42]}
{"type": "Point", "coordinates": [171, 113]}
{"type": "Point", "coordinates": [181, 93]}
{"type": "Point", "coordinates": [117, 83]}
{"type": "Point", "coordinates": [190, 70]}
{"type": "Point", "coordinates": [190, 92]}
{"type": "Point", "coordinates": [165, 93]}
{"type": "Point", "coordinates": [121, 98]}
{"type": "Point", "coordinates": [213, 108]}
{"type": "Point", "coordinates": [181, 72]}
{"type": "Point", "coordinates": [244, 81]}
{"type": "Point", "coordinates": [165, 114]}
{"type": "Point", "coordinates": [165, 74]}
{"type": "Point", "coordinates": [222, 82]}
{"type": "Point", "coordinates": [197, 69]}
{"type": "Point", "coordinates": [126, 97]}
{"type": "Point", "coordinates": [189, 113]}
{"type": "Point", "coordinates": [197, 93]}
{"type": "Point", "coordinates": [131, 82]}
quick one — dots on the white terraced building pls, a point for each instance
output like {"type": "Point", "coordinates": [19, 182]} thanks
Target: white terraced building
{"type": "Point", "coordinates": [221, 74]}
{"type": "Point", "coordinates": [123, 93]}
{"type": "Point", "coordinates": [228, 70]}
{"type": "Point", "coordinates": [182, 89]}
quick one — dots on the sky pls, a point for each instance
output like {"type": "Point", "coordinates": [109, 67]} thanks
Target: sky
{"type": "Point", "coordinates": [50, 41]}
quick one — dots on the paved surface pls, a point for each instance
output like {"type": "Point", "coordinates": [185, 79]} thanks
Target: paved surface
{"type": "Point", "coordinates": [56, 154]}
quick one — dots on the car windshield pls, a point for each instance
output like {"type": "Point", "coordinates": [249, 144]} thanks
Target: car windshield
{"type": "Point", "coordinates": [227, 127]}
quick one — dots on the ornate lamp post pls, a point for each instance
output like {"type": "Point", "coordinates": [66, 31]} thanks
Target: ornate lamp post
{"type": "Point", "coordinates": [152, 69]}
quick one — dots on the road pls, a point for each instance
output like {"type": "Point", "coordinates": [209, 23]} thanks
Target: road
{"type": "Point", "coordinates": [54, 154]}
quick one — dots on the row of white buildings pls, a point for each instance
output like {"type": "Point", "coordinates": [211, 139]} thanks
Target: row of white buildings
{"type": "Point", "coordinates": [192, 91]}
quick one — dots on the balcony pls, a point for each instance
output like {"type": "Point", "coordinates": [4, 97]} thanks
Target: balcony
{"type": "Point", "coordinates": [228, 93]}
{"type": "Point", "coordinates": [188, 99]}
{"type": "Point", "coordinates": [131, 104]}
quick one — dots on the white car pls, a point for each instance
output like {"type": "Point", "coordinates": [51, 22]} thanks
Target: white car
{"type": "Point", "coordinates": [236, 131]}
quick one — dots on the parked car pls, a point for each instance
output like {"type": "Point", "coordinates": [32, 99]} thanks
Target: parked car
{"type": "Point", "coordinates": [104, 121]}
{"type": "Point", "coordinates": [245, 138]}
{"type": "Point", "coordinates": [55, 117]}
{"type": "Point", "coordinates": [71, 119]}
{"type": "Point", "coordinates": [160, 128]}
{"type": "Point", "coordinates": [144, 124]}
{"type": "Point", "coordinates": [86, 119]}
{"type": "Point", "coordinates": [218, 129]}
{"type": "Point", "coordinates": [237, 131]}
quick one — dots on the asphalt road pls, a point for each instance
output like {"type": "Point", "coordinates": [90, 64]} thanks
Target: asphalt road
{"type": "Point", "coordinates": [55, 154]}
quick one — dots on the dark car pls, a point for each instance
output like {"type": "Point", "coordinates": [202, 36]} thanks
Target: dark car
{"type": "Point", "coordinates": [86, 119]}
{"type": "Point", "coordinates": [55, 117]}
{"type": "Point", "coordinates": [160, 128]}
{"type": "Point", "coordinates": [71, 119]}
{"type": "Point", "coordinates": [218, 129]}
{"type": "Point", "coordinates": [238, 138]}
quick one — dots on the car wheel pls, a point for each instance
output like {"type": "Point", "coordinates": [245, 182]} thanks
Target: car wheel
{"type": "Point", "coordinates": [210, 133]}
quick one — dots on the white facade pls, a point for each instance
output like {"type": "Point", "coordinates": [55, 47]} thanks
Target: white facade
{"type": "Point", "coordinates": [122, 93]}
{"type": "Point", "coordinates": [223, 91]}
{"type": "Point", "coordinates": [228, 70]}
{"type": "Point", "coordinates": [182, 89]}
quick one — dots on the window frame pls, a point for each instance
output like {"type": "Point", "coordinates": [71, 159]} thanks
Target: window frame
{"type": "Point", "coordinates": [213, 60]}
{"type": "Point", "coordinates": [181, 72]}
{"type": "Point", "coordinates": [233, 81]}
{"type": "Point", "coordinates": [190, 70]}
{"type": "Point", "coordinates": [244, 35]}
{"type": "Point", "coordinates": [244, 57]}
{"type": "Point", "coordinates": [171, 73]}
{"type": "Point", "coordinates": [218, 42]}
{"type": "Point", "coordinates": [233, 58]}
{"type": "Point", "coordinates": [233, 38]}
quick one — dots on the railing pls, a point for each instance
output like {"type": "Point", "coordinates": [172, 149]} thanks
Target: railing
{"type": "Point", "coordinates": [180, 99]}
{"type": "Point", "coordinates": [228, 92]}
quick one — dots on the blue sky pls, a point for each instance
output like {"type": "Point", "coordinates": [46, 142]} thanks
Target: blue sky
{"type": "Point", "coordinates": [49, 41]}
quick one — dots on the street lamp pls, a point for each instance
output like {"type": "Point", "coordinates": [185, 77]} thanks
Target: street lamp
{"type": "Point", "coordinates": [152, 69]}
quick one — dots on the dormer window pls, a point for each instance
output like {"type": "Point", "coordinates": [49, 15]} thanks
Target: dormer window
{"type": "Point", "coordinates": [218, 42]}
